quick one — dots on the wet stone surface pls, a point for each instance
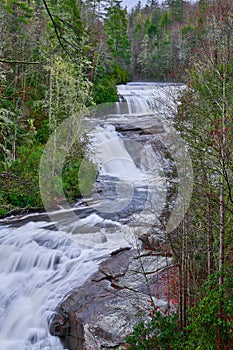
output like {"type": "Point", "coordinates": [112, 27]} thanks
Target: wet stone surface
{"type": "Point", "coordinates": [101, 313]}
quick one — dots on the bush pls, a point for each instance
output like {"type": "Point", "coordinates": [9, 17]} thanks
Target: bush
{"type": "Point", "coordinates": [161, 332]}
{"type": "Point", "coordinates": [209, 323]}
{"type": "Point", "coordinates": [19, 185]}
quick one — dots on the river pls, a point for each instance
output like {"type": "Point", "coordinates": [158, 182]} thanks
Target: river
{"type": "Point", "coordinates": [40, 261]}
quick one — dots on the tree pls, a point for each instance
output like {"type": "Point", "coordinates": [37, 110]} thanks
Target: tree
{"type": "Point", "coordinates": [115, 26]}
{"type": "Point", "coordinates": [206, 121]}
{"type": "Point", "coordinates": [45, 68]}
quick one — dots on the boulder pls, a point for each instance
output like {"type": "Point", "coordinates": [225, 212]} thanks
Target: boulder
{"type": "Point", "coordinates": [104, 310]}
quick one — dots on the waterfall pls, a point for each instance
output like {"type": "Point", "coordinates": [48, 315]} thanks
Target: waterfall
{"type": "Point", "coordinates": [40, 263]}
{"type": "Point", "coordinates": [37, 268]}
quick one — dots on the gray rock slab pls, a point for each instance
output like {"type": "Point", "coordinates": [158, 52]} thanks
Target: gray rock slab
{"type": "Point", "coordinates": [104, 310]}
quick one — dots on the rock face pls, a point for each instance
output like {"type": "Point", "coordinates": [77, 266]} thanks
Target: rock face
{"type": "Point", "coordinates": [101, 313]}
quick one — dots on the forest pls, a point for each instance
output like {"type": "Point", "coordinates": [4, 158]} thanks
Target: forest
{"type": "Point", "coordinates": [58, 58]}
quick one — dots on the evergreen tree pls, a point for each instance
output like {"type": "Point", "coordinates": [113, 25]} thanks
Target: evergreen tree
{"type": "Point", "coordinates": [115, 26]}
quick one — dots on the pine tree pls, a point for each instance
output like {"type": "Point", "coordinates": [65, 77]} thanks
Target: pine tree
{"type": "Point", "coordinates": [115, 26]}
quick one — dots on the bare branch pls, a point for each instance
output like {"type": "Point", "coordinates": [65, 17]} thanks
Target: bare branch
{"type": "Point", "coordinates": [5, 60]}
{"type": "Point", "coordinates": [55, 27]}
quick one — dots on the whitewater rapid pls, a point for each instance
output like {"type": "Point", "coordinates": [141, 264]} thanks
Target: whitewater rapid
{"type": "Point", "coordinates": [40, 262]}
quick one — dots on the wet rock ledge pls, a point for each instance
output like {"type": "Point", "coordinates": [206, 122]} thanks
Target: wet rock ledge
{"type": "Point", "coordinates": [104, 310]}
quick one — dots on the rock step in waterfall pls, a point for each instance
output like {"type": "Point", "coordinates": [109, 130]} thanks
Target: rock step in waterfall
{"type": "Point", "coordinates": [42, 267]}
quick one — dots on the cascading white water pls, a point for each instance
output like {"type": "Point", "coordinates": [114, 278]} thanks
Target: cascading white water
{"type": "Point", "coordinates": [37, 268]}
{"type": "Point", "coordinates": [40, 265]}
{"type": "Point", "coordinates": [143, 98]}
{"type": "Point", "coordinates": [111, 154]}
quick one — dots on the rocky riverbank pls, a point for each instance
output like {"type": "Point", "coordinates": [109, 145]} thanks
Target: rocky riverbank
{"type": "Point", "coordinates": [102, 312]}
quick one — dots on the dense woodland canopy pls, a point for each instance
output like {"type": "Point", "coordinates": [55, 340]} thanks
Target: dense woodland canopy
{"type": "Point", "coordinates": [57, 58]}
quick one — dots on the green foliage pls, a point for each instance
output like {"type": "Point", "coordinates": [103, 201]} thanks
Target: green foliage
{"type": "Point", "coordinates": [120, 75]}
{"type": "Point", "coordinates": [65, 33]}
{"type": "Point", "coordinates": [19, 185]}
{"type": "Point", "coordinates": [105, 90]}
{"type": "Point", "coordinates": [164, 22]}
{"type": "Point", "coordinates": [157, 51]}
{"type": "Point", "coordinates": [42, 130]}
{"type": "Point", "coordinates": [152, 30]}
{"type": "Point", "coordinates": [78, 175]}
{"type": "Point", "coordinates": [105, 87]}
{"type": "Point", "coordinates": [35, 98]}
{"type": "Point", "coordinates": [69, 90]}
{"type": "Point", "coordinates": [161, 332]}
{"type": "Point", "coordinates": [212, 316]}
{"type": "Point", "coordinates": [177, 10]}
{"type": "Point", "coordinates": [88, 173]}
{"type": "Point", "coordinates": [115, 26]}
{"type": "Point", "coordinates": [70, 179]}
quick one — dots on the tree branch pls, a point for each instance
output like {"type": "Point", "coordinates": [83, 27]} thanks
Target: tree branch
{"type": "Point", "coordinates": [5, 60]}
{"type": "Point", "coordinates": [55, 27]}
